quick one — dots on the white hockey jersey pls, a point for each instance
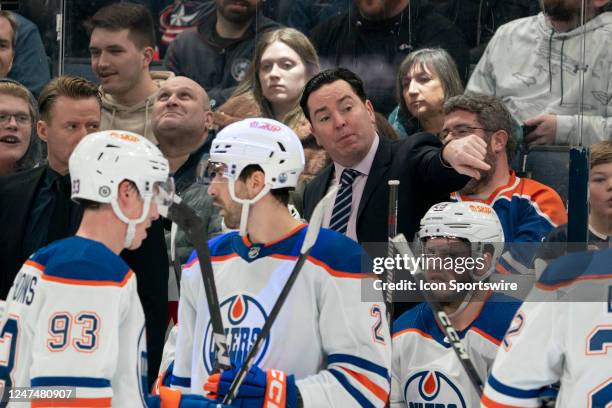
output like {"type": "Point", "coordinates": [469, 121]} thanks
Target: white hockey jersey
{"type": "Point", "coordinates": [73, 319]}
{"type": "Point", "coordinates": [427, 373]}
{"type": "Point", "coordinates": [563, 332]}
{"type": "Point", "coordinates": [337, 346]}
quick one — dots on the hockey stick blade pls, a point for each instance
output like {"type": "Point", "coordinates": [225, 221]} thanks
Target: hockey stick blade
{"type": "Point", "coordinates": [442, 318]}
{"type": "Point", "coordinates": [186, 218]}
{"type": "Point", "coordinates": [309, 240]}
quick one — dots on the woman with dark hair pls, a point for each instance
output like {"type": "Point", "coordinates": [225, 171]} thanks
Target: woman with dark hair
{"type": "Point", "coordinates": [426, 78]}
{"type": "Point", "coordinates": [19, 144]}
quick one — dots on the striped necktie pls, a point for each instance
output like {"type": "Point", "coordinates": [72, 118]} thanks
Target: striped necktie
{"type": "Point", "coordinates": [344, 199]}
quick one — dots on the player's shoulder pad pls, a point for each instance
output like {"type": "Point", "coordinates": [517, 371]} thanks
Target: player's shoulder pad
{"type": "Point", "coordinates": [497, 314]}
{"type": "Point", "coordinates": [220, 245]}
{"type": "Point", "coordinates": [82, 261]}
{"type": "Point", "coordinates": [565, 270]}
{"type": "Point", "coordinates": [411, 319]}
{"type": "Point", "coordinates": [336, 252]}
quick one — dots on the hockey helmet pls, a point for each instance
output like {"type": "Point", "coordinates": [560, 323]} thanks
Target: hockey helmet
{"type": "Point", "coordinates": [102, 160]}
{"type": "Point", "coordinates": [472, 221]}
{"type": "Point", "coordinates": [258, 141]}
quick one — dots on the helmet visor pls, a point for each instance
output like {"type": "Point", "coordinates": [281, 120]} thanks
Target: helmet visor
{"type": "Point", "coordinates": [214, 169]}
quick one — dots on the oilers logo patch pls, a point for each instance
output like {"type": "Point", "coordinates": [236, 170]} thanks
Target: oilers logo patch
{"type": "Point", "coordinates": [243, 317]}
{"type": "Point", "coordinates": [433, 389]}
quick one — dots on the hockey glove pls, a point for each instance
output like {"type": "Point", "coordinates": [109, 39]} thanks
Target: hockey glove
{"type": "Point", "coordinates": [171, 398]}
{"type": "Point", "coordinates": [163, 379]}
{"type": "Point", "coordinates": [259, 388]}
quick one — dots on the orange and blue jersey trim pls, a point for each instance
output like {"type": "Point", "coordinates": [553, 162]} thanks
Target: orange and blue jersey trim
{"type": "Point", "coordinates": [79, 382]}
{"type": "Point", "coordinates": [338, 255]}
{"type": "Point", "coordinates": [73, 402]}
{"type": "Point", "coordinates": [337, 364]}
{"type": "Point", "coordinates": [80, 261]}
{"type": "Point", "coordinates": [508, 202]}
{"type": "Point", "coordinates": [490, 322]}
{"type": "Point", "coordinates": [576, 267]}
{"type": "Point", "coordinates": [513, 392]}
{"type": "Point", "coordinates": [551, 287]}
{"type": "Point", "coordinates": [413, 330]}
{"type": "Point", "coordinates": [68, 281]}
{"type": "Point", "coordinates": [489, 403]}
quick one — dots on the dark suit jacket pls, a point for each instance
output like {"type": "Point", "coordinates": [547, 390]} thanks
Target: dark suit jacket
{"type": "Point", "coordinates": [424, 181]}
{"type": "Point", "coordinates": [149, 262]}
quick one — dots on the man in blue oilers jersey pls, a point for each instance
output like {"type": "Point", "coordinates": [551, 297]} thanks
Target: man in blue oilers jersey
{"type": "Point", "coordinates": [333, 347]}
{"type": "Point", "coordinates": [73, 317]}
{"type": "Point", "coordinates": [426, 370]}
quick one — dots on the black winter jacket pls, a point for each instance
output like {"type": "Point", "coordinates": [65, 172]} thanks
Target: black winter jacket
{"type": "Point", "coordinates": [197, 54]}
{"type": "Point", "coordinates": [375, 49]}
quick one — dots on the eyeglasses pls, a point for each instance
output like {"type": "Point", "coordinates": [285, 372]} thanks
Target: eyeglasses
{"type": "Point", "coordinates": [21, 118]}
{"type": "Point", "coordinates": [461, 131]}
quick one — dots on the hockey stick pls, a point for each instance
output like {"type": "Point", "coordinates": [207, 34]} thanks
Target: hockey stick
{"type": "Point", "coordinates": [186, 218]}
{"type": "Point", "coordinates": [392, 232]}
{"type": "Point", "coordinates": [442, 318]}
{"type": "Point", "coordinates": [176, 263]}
{"type": "Point", "coordinates": [309, 240]}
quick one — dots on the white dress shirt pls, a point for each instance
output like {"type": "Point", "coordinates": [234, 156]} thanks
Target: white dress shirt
{"type": "Point", "coordinates": [363, 167]}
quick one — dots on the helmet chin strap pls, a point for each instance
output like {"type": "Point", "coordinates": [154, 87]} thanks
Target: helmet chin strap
{"type": "Point", "coordinates": [131, 224]}
{"type": "Point", "coordinates": [246, 203]}
{"type": "Point", "coordinates": [468, 297]}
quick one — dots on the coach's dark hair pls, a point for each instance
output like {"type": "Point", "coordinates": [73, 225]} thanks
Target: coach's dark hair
{"type": "Point", "coordinates": [490, 112]}
{"type": "Point", "coordinates": [327, 77]}
{"type": "Point", "coordinates": [70, 86]}
{"type": "Point", "coordinates": [119, 16]}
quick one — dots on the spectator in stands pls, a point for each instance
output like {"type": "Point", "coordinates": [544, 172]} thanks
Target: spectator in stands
{"type": "Point", "coordinates": [179, 16]}
{"type": "Point", "coordinates": [375, 36]}
{"type": "Point", "coordinates": [600, 190]}
{"type": "Point", "coordinates": [425, 79]}
{"type": "Point", "coordinates": [307, 14]}
{"type": "Point", "coordinates": [122, 43]}
{"type": "Point", "coordinates": [70, 109]}
{"type": "Point", "coordinates": [19, 145]}
{"type": "Point", "coordinates": [535, 65]}
{"type": "Point", "coordinates": [181, 120]}
{"type": "Point", "coordinates": [600, 211]}
{"type": "Point", "coordinates": [30, 64]}
{"type": "Point", "coordinates": [217, 53]}
{"type": "Point", "coordinates": [35, 205]}
{"type": "Point", "coordinates": [283, 61]}
{"type": "Point", "coordinates": [342, 120]}
{"type": "Point", "coordinates": [8, 40]}
{"type": "Point", "coordinates": [478, 20]}
{"type": "Point", "coordinates": [528, 210]}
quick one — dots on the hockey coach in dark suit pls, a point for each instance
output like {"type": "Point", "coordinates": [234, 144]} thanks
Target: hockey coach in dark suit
{"type": "Point", "coordinates": [342, 120]}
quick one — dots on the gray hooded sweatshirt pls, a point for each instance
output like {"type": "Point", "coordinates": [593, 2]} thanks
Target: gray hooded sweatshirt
{"type": "Point", "coordinates": [535, 70]}
{"type": "Point", "coordinates": [135, 118]}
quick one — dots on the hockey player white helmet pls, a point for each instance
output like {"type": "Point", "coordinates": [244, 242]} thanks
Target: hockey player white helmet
{"type": "Point", "coordinates": [258, 141]}
{"type": "Point", "coordinates": [102, 160]}
{"type": "Point", "coordinates": [475, 222]}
